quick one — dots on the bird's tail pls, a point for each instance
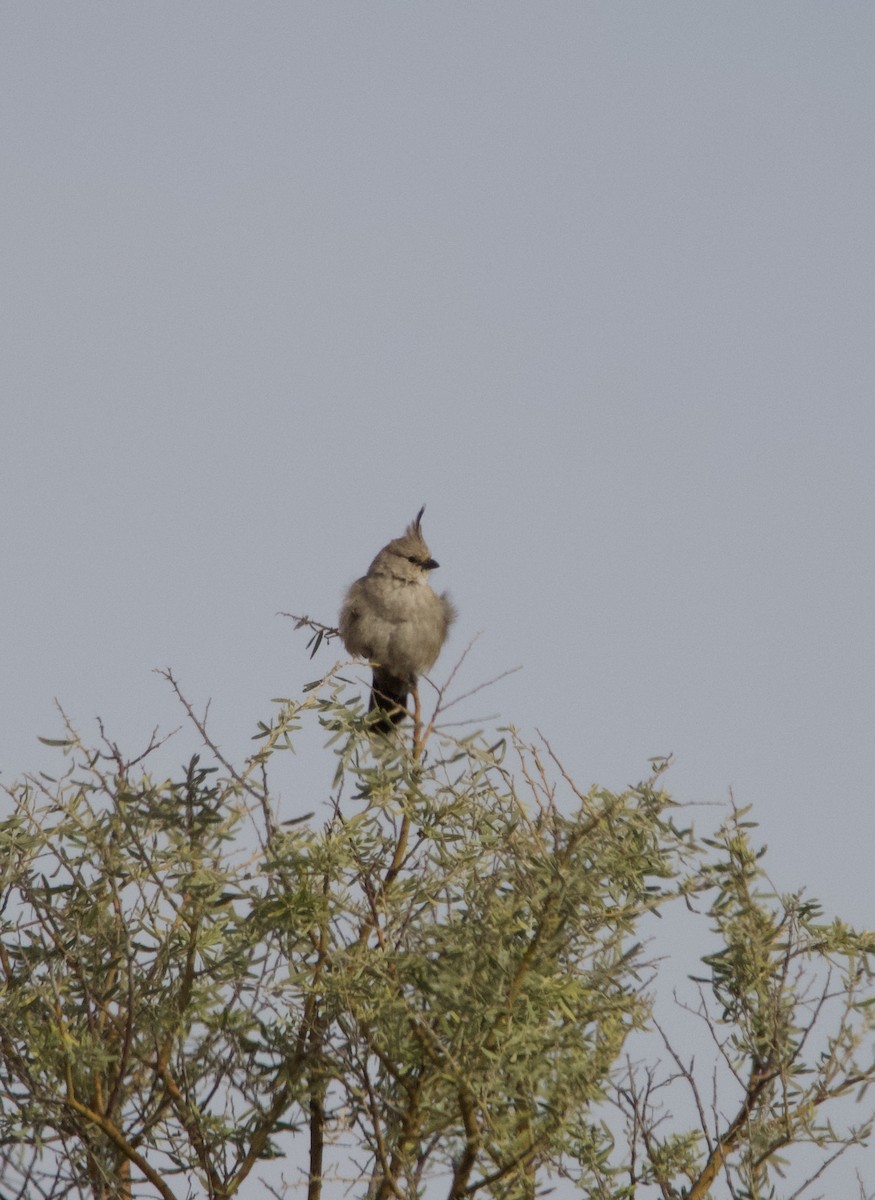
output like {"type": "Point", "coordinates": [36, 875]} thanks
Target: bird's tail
{"type": "Point", "coordinates": [389, 696]}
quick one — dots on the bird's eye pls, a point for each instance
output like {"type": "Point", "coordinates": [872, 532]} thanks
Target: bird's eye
{"type": "Point", "coordinates": [412, 558]}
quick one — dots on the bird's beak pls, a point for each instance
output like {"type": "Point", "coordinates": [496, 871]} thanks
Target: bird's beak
{"type": "Point", "coordinates": [430, 564]}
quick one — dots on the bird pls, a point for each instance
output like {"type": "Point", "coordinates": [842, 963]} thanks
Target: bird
{"type": "Point", "coordinates": [392, 617]}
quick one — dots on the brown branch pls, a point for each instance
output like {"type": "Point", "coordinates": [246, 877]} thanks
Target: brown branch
{"type": "Point", "coordinates": [121, 1067]}
{"type": "Point", "coordinates": [317, 1142]}
{"type": "Point", "coordinates": [310, 1030]}
{"type": "Point", "coordinates": [260, 1137]}
{"type": "Point", "coordinates": [549, 924]}
{"type": "Point", "coordinates": [465, 1165]}
{"type": "Point", "coordinates": [392, 872]}
{"type": "Point", "coordinates": [387, 1183]}
{"type": "Point", "coordinates": [643, 1107]}
{"type": "Point", "coordinates": [186, 984]}
{"type": "Point", "coordinates": [189, 1122]}
{"type": "Point", "coordinates": [757, 1084]}
{"type": "Point", "coordinates": [118, 1139]}
{"type": "Point", "coordinates": [687, 1074]}
{"type": "Point", "coordinates": [523, 1159]}
{"type": "Point", "coordinates": [315, 1038]}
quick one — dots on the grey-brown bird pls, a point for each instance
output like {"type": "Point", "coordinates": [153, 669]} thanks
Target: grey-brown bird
{"type": "Point", "coordinates": [392, 617]}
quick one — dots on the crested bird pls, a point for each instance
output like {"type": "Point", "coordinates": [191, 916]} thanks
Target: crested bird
{"type": "Point", "coordinates": [392, 617]}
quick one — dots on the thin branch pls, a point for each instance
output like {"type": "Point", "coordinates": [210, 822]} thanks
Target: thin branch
{"type": "Point", "coordinates": [320, 632]}
{"type": "Point", "coordinates": [717, 1159]}
{"type": "Point", "coordinates": [118, 1139]}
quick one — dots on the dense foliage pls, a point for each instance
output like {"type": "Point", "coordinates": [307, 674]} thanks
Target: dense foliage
{"type": "Point", "coordinates": [430, 983]}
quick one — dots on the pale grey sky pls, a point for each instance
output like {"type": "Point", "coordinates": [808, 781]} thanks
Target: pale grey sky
{"type": "Point", "coordinates": [593, 281]}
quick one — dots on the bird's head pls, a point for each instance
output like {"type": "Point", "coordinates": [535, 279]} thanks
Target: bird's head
{"type": "Point", "coordinates": [409, 555]}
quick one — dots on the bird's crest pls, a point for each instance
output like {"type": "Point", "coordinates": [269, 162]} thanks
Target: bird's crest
{"type": "Point", "coordinates": [415, 526]}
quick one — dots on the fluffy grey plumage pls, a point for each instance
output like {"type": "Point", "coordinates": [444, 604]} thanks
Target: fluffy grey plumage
{"type": "Point", "coordinates": [392, 617]}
